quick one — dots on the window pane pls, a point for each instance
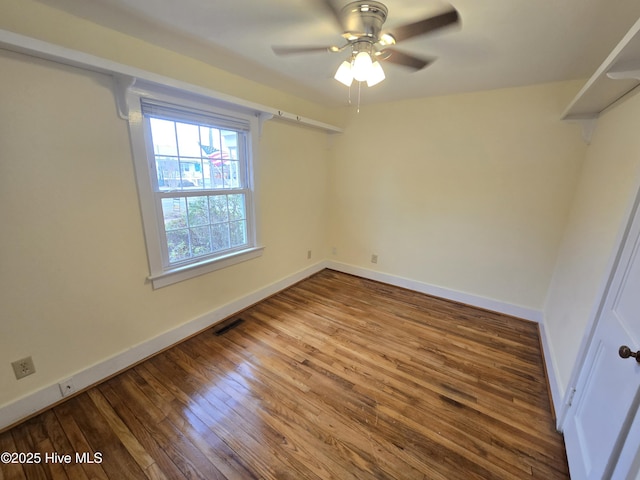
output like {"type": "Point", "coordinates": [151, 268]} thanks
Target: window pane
{"type": "Point", "coordinates": [211, 157]}
{"type": "Point", "coordinates": [168, 171]}
{"type": "Point", "coordinates": [188, 140]}
{"type": "Point", "coordinates": [164, 137]}
{"type": "Point", "coordinates": [232, 174]}
{"type": "Point", "coordinates": [220, 233]}
{"type": "Point", "coordinates": [174, 211]}
{"type": "Point", "coordinates": [200, 241]}
{"type": "Point", "coordinates": [178, 245]}
{"type": "Point", "coordinates": [230, 142]}
{"type": "Point", "coordinates": [191, 174]}
{"type": "Point", "coordinates": [209, 140]}
{"type": "Point", "coordinates": [238, 231]}
{"type": "Point", "coordinates": [218, 209]}
{"type": "Point", "coordinates": [236, 207]}
{"type": "Point", "coordinates": [216, 170]}
{"type": "Point", "coordinates": [198, 211]}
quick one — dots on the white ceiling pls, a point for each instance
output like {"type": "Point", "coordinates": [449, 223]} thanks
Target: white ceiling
{"type": "Point", "coordinates": [499, 43]}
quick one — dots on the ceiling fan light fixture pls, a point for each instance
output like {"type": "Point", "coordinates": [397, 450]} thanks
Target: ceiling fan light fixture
{"type": "Point", "coordinates": [344, 74]}
{"type": "Point", "coordinates": [362, 65]}
{"type": "Point", "coordinates": [376, 75]}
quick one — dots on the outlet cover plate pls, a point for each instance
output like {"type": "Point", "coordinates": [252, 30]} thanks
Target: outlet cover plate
{"type": "Point", "coordinates": [67, 387]}
{"type": "Point", "coordinates": [23, 367]}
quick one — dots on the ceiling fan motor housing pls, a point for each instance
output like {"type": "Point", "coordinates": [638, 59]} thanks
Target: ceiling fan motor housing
{"type": "Point", "coordinates": [363, 20]}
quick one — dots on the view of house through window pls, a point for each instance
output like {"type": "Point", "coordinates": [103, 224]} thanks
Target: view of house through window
{"type": "Point", "coordinates": [201, 187]}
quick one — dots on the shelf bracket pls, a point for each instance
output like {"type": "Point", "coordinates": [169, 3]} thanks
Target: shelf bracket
{"type": "Point", "coordinates": [629, 70]}
{"type": "Point", "coordinates": [624, 74]}
{"type": "Point", "coordinates": [588, 125]}
{"type": "Point", "coordinates": [263, 117]}
{"type": "Point", "coordinates": [121, 88]}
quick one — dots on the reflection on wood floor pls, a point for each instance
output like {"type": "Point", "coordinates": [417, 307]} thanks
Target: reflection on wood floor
{"type": "Point", "coordinates": [336, 377]}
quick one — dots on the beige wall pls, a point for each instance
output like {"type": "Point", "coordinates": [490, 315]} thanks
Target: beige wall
{"type": "Point", "coordinates": [467, 192]}
{"type": "Point", "coordinates": [73, 260]}
{"type": "Point", "coordinates": [609, 181]}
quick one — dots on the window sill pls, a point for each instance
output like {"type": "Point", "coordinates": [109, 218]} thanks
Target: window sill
{"type": "Point", "coordinates": [169, 277]}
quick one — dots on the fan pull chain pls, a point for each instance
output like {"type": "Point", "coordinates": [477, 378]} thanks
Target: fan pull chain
{"type": "Point", "coordinates": [359, 90]}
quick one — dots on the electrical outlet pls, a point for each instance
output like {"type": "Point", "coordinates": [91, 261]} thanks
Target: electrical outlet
{"type": "Point", "coordinates": [23, 367]}
{"type": "Point", "coordinates": [308, 254]}
{"type": "Point", "coordinates": [334, 250]}
{"type": "Point", "coordinates": [67, 387]}
{"type": "Point", "coordinates": [374, 258]}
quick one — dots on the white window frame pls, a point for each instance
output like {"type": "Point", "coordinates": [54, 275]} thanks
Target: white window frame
{"type": "Point", "coordinates": [161, 272]}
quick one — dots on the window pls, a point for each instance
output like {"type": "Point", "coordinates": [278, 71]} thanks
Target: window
{"type": "Point", "coordinates": [193, 164]}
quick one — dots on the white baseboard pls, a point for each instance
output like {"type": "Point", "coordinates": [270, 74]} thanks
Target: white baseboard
{"type": "Point", "coordinates": [18, 410]}
{"type": "Point", "coordinates": [557, 392]}
{"type": "Point", "coordinates": [456, 296]}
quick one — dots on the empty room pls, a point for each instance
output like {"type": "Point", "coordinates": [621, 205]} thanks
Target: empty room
{"type": "Point", "coordinates": [316, 239]}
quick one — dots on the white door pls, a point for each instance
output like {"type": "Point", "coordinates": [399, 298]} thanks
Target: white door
{"type": "Point", "coordinates": [600, 441]}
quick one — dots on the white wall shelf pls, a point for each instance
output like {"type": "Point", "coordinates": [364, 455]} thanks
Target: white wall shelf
{"type": "Point", "coordinates": [618, 75]}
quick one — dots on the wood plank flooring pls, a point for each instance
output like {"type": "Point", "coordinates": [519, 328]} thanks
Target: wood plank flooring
{"type": "Point", "coordinates": [336, 377]}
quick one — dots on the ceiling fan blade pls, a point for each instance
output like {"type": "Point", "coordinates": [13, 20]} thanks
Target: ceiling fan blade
{"type": "Point", "coordinates": [425, 26]}
{"type": "Point", "coordinates": [287, 50]}
{"type": "Point", "coordinates": [400, 58]}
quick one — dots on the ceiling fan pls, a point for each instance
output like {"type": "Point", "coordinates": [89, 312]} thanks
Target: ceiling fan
{"type": "Point", "coordinates": [361, 23]}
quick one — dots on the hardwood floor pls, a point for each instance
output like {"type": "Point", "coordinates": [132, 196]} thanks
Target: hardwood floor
{"type": "Point", "coordinates": [337, 377]}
